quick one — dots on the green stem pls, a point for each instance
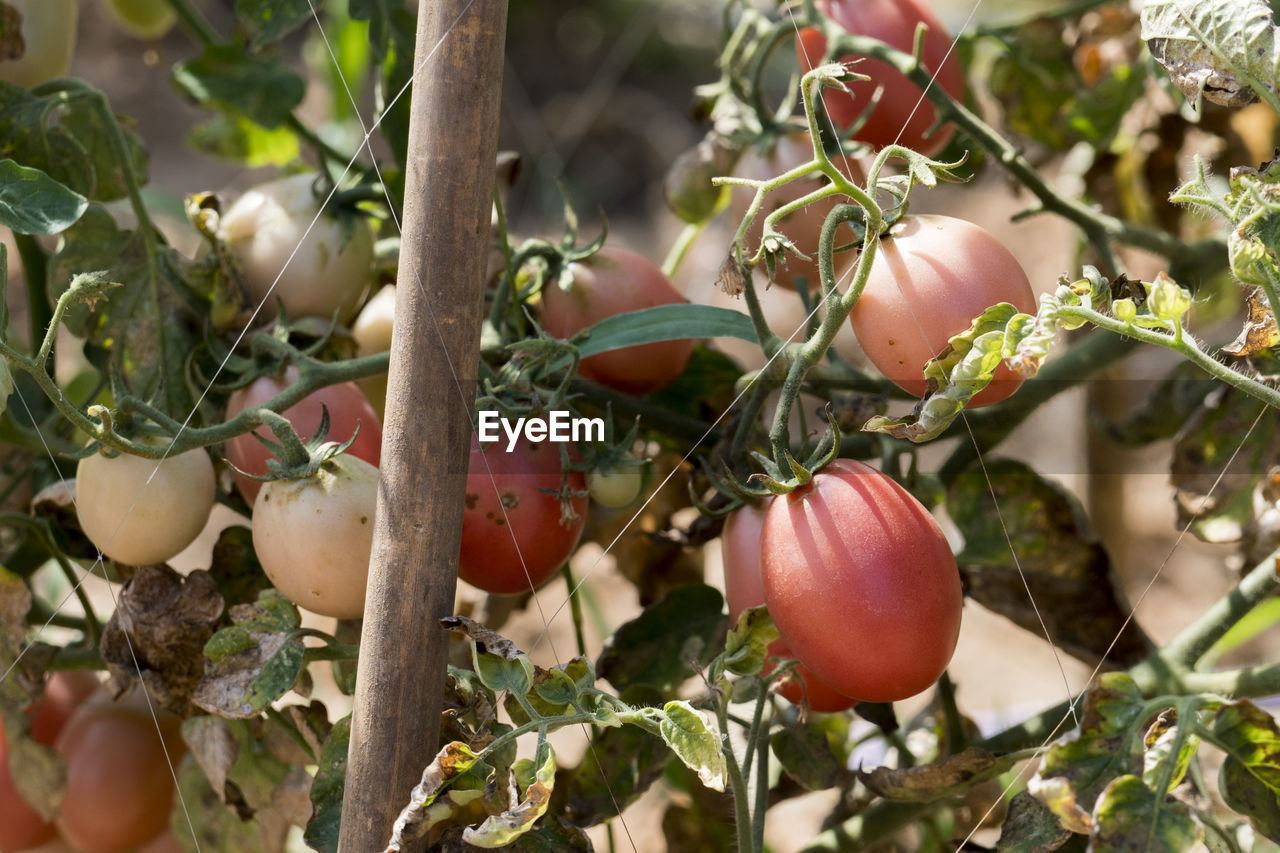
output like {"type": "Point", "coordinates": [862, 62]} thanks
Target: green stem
{"type": "Point", "coordinates": [680, 248]}
{"type": "Point", "coordinates": [762, 792]}
{"type": "Point", "coordinates": [333, 652]}
{"type": "Point", "coordinates": [1259, 584]}
{"type": "Point", "coordinates": [575, 608]}
{"type": "Point", "coordinates": [69, 658]}
{"type": "Point", "coordinates": [737, 782]}
{"type": "Point", "coordinates": [195, 22]}
{"type": "Point", "coordinates": [35, 272]}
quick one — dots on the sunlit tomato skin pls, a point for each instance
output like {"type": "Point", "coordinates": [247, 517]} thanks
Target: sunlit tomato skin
{"type": "Point", "coordinates": [314, 536]}
{"type": "Point", "coordinates": [142, 511]}
{"type": "Point", "coordinates": [119, 776]}
{"type": "Point", "coordinates": [861, 583]}
{"type": "Point", "coordinates": [514, 531]}
{"type": "Point", "coordinates": [616, 281]}
{"type": "Point", "coordinates": [292, 253]}
{"type": "Point", "coordinates": [930, 278]}
{"type": "Point", "coordinates": [743, 588]}
{"type": "Point", "coordinates": [803, 227]}
{"type": "Point", "coordinates": [21, 828]}
{"type": "Point", "coordinates": [348, 409]}
{"type": "Point", "coordinates": [903, 114]}
{"type": "Point", "coordinates": [49, 40]}
{"type": "Point", "coordinates": [615, 487]}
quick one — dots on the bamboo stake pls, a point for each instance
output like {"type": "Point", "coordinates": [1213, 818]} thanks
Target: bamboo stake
{"type": "Point", "coordinates": [426, 437]}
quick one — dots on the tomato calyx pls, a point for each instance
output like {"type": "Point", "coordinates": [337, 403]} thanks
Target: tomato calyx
{"type": "Point", "coordinates": [295, 459]}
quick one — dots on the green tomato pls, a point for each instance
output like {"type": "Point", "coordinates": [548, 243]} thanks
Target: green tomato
{"type": "Point", "coordinates": [144, 19]}
{"type": "Point", "coordinates": [615, 487]}
{"type": "Point", "coordinates": [48, 39]}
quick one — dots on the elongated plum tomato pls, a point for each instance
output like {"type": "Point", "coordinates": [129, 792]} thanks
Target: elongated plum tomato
{"type": "Point", "coordinates": [48, 41]}
{"type": "Point", "coordinates": [616, 281]}
{"type": "Point", "coordinates": [861, 583]}
{"type": "Point", "coordinates": [903, 114]}
{"type": "Point", "coordinates": [515, 531]}
{"type": "Point", "coordinates": [119, 776]}
{"type": "Point", "coordinates": [314, 536]}
{"type": "Point", "coordinates": [21, 828]}
{"type": "Point", "coordinates": [930, 279]}
{"type": "Point", "coordinates": [138, 517]}
{"type": "Point", "coordinates": [348, 409]}
{"type": "Point", "coordinates": [291, 252]}
{"type": "Point", "coordinates": [803, 227]}
{"type": "Point", "coordinates": [743, 588]}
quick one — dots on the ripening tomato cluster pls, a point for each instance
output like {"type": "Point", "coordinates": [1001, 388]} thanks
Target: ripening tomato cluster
{"type": "Point", "coordinates": [120, 781]}
{"type": "Point", "coordinates": [859, 580]}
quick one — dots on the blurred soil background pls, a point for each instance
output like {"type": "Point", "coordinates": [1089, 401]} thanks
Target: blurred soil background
{"type": "Point", "coordinates": [597, 95]}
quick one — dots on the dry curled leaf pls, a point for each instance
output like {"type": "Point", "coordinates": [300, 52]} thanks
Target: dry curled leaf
{"type": "Point", "coordinates": [928, 782]}
{"type": "Point", "coordinates": [158, 633]}
{"type": "Point", "coordinates": [1259, 332]}
{"type": "Point", "coordinates": [487, 640]}
{"type": "Point", "coordinates": [1218, 48]}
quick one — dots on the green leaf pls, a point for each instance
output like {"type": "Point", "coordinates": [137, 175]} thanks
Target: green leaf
{"type": "Point", "coordinates": [392, 33]}
{"type": "Point", "coordinates": [238, 138]}
{"type": "Point", "coordinates": [1251, 797]}
{"type": "Point", "coordinates": [704, 389]}
{"type": "Point", "coordinates": [1131, 817]}
{"type": "Point", "coordinates": [31, 202]}
{"type": "Point", "coordinates": [695, 740]}
{"type": "Point", "coordinates": [30, 135]}
{"type": "Point", "coordinates": [262, 88]}
{"type": "Point", "coordinates": [254, 661]}
{"type": "Point", "coordinates": [1158, 752]}
{"type": "Point", "coordinates": [327, 789]}
{"type": "Point", "coordinates": [95, 130]}
{"type": "Point", "coordinates": [1223, 49]}
{"type": "Point", "coordinates": [498, 674]}
{"type": "Point", "coordinates": [268, 21]}
{"type": "Point", "coordinates": [1250, 736]}
{"type": "Point", "coordinates": [1066, 571]}
{"type": "Point", "coordinates": [664, 323]}
{"type": "Point", "coordinates": [658, 647]}
{"type": "Point", "coordinates": [1029, 827]}
{"type": "Point", "coordinates": [502, 829]}
{"type": "Point", "coordinates": [746, 649]}
{"type": "Point", "coordinates": [812, 753]}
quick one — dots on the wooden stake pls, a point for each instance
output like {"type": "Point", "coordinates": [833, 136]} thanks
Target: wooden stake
{"type": "Point", "coordinates": [453, 135]}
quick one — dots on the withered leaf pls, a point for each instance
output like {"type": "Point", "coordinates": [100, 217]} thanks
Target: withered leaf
{"type": "Point", "coordinates": [1066, 569]}
{"type": "Point", "coordinates": [487, 640]}
{"type": "Point", "coordinates": [1031, 828]}
{"type": "Point", "coordinates": [1259, 332]}
{"type": "Point", "coordinates": [158, 632]}
{"type": "Point", "coordinates": [953, 775]}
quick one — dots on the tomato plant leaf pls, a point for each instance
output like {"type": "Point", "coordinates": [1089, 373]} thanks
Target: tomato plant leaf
{"type": "Point", "coordinates": [31, 202]}
{"type": "Point", "coordinates": [502, 829]}
{"type": "Point", "coordinates": [1029, 827]}
{"type": "Point", "coordinates": [158, 632]}
{"type": "Point", "coordinates": [268, 21]}
{"type": "Point", "coordinates": [1066, 570]}
{"type": "Point", "coordinates": [30, 136]}
{"type": "Point", "coordinates": [260, 87]}
{"type": "Point", "coordinates": [1172, 402]}
{"type": "Point", "coordinates": [746, 648]}
{"type": "Point", "coordinates": [1159, 743]}
{"type": "Point", "coordinates": [95, 129]}
{"type": "Point", "coordinates": [554, 689]}
{"type": "Point", "coordinates": [327, 789]}
{"type": "Point", "coordinates": [814, 753]}
{"type": "Point", "coordinates": [1224, 50]}
{"type": "Point", "coordinates": [254, 661]}
{"type": "Point", "coordinates": [218, 829]}
{"type": "Point", "coordinates": [948, 777]}
{"type": "Point", "coordinates": [1251, 797]}
{"type": "Point", "coordinates": [1130, 816]}
{"type": "Point", "coordinates": [695, 740]}
{"type": "Point", "coordinates": [1219, 458]}
{"type": "Point", "coordinates": [235, 568]}
{"type": "Point", "coordinates": [1250, 736]}
{"type": "Point", "coordinates": [658, 647]}
{"type": "Point", "coordinates": [1073, 774]}
{"type": "Point", "coordinates": [664, 323]}
{"type": "Point", "coordinates": [392, 34]}
{"type": "Point", "coordinates": [451, 763]}
{"type": "Point", "coordinates": [242, 140]}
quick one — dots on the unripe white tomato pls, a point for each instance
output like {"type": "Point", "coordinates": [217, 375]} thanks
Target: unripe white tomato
{"type": "Point", "coordinates": [325, 274]}
{"type": "Point", "coordinates": [49, 39]}
{"type": "Point", "coordinates": [314, 536]}
{"type": "Point", "coordinates": [142, 511]}
{"type": "Point", "coordinates": [372, 329]}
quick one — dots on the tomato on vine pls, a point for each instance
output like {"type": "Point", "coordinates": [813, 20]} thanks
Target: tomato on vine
{"type": "Point", "coordinates": [903, 114]}
{"type": "Point", "coordinates": [861, 582]}
{"type": "Point", "coordinates": [931, 277]}
{"type": "Point", "coordinates": [120, 762]}
{"type": "Point", "coordinates": [141, 511]}
{"type": "Point", "coordinates": [744, 588]}
{"type": "Point", "coordinates": [615, 281]}
{"type": "Point", "coordinates": [516, 529]}
{"type": "Point", "coordinates": [314, 535]}
{"type": "Point", "coordinates": [48, 38]}
{"type": "Point", "coordinates": [349, 409]}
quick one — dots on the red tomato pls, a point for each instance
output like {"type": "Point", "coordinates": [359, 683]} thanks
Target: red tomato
{"type": "Point", "coordinates": [804, 227]}
{"type": "Point", "coordinates": [119, 781]}
{"type": "Point", "coordinates": [903, 114]}
{"type": "Point", "coordinates": [861, 582]}
{"type": "Point", "coordinates": [743, 588]}
{"type": "Point", "coordinates": [513, 535]}
{"type": "Point", "coordinates": [615, 281]}
{"type": "Point", "coordinates": [348, 408]}
{"type": "Point", "coordinates": [928, 282]}
{"type": "Point", "coordinates": [21, 828]}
